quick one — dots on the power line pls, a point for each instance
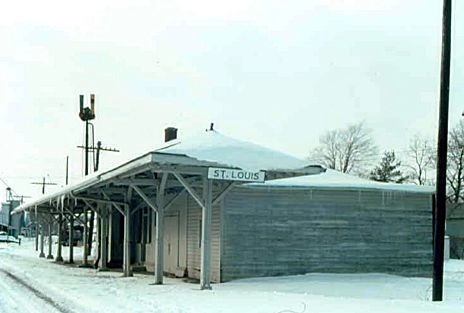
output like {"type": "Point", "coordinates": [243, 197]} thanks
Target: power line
{"type": "Point", "coordinates": [8, 186]}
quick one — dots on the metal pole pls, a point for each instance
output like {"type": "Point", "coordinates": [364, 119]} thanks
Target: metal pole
{"type": "Point", "coordinates": [439, 240]}
{"type": "Point", "coordinates": [86, 147]}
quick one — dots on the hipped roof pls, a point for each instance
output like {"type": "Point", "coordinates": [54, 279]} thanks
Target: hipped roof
{"type": "Point", "coordinates": [213, 146]}
{"type": "Point", "coordinates": [207, 149]}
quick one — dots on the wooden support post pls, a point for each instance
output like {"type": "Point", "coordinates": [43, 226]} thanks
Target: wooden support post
{"type": "Point", "coordinates": [104, 238]}
{"type": "Point", "coordinates": [126, 257]}
{"type": "Point", "coordinates": [205, 203]}
{"type": "Point", "coordinates": [59, 257]}
{"type": "Point", "coordinates": [71, 238]}
{"type": "Point", "coordinates": [42, 254]}
{"type": "Point", "coordinates": [159, 247]}
{"type": "Point", "coordinates": [159, 210]}
{"type": "Point", "coordinates": [36, 235]}
{"type": "Point", "coordinates": [206, 235]}
{"type": "Point", "coordinates": [36, 230]}
{"type": "Point", "coordinates": [50, 241]}
{"type": "Point", "coordinates": [85, 238]}
{"type": "Point", "coordinates": [159, 270]}
{"type": "Point", "coordinates": [98, 240]}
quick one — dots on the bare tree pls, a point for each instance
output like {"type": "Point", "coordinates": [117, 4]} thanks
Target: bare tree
{"type": "Point", "coordinates": [455, 171]}
{"type": "Point", "coordinates": [347, 150]}
{"type": "Point", "coordinates": [421, 157]}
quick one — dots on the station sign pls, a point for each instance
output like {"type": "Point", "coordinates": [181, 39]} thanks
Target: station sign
{"type": "Point", "coordinates": [237, 175]}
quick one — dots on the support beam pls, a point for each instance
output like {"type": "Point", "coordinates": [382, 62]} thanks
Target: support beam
{"type": "Point", "coordinates": [104, 238]}
{"type": "Point", "coordinates": [173, 200]}
{"type": "Point", "coordinates": [42, 254]}
{"type": "Point", "coordinates": [85, 237]}
{"type": "Point", "coordinates": [50, 241]}
{"type": "Point", "coordinates": [90, 205]}
{"type": "Point", "coordinates": [36, 230]}
{"type": "Point", "coordinates": [159, 263]}
{"type": "Point", "coordinates": [98, 240]}
{"type": "Point", "coordinates": [145, 198]}
{"type": "Point", "coordinates": [136, 208]}
{"type": "Point", "coordinates": [159, 253]}
{"type": "Point", "coordinates": [187, 186]}
{"type": "Point", "coordinates": [59, 257]}
{"type": "Point", "coordinates": [223, 193]}
{"type": "Point", "coordinates": [71, 239]}
{"type": "Point", "coordinates": [116, 204]}
{"type": "Point", "coordinates": [206, 205]}
{"type": "Point", "coordinates": [134, 181]}
{"type": "Point", "coordinates": [206, 236]}
{"type": "Point", "coordinates": [126, 256]}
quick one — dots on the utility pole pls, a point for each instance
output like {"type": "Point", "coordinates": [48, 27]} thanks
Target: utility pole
{"type": "Point", "coordinates": [85, 115]}
{"type": "Point", "coordinates": [67, 169]}
{"type": "Point", "coordinates": [43, 183]}
{"type": "Point", "coordinates": [98, 149]}
{"type": "Point", "coordinates": [442, 151]}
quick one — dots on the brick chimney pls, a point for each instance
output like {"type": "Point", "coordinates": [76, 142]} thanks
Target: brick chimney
{"type": "Point", "coordinates": [170, 133]}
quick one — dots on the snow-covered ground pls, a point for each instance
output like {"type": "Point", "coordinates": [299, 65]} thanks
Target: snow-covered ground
{"type": "Point", "coordinates": [86, 290]}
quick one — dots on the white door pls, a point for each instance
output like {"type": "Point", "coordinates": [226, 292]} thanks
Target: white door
{"type": "Point", "coordinates": [171, 243]}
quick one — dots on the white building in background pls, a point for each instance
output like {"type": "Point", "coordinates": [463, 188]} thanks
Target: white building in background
{"type": "Point", "coordinates": [11, 223]}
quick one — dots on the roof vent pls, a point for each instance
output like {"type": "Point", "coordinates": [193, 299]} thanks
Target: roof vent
{"type": "Point", "coordinates": [170, 133]}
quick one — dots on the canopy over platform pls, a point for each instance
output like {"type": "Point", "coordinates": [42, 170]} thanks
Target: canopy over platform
{"type": "Point", "coordinates": [191, 156]}
{"type": "Point", "coordinates": [156, 179]}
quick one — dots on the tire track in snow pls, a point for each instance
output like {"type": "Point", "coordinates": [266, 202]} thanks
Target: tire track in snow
{"type": "Point", "coordinates": [37, 293]}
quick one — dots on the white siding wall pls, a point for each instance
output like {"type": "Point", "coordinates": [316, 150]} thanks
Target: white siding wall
{"type": "Point", "coordinates": [268, 232]}
{"type": "Point", "coordinates": [193, 241]}
{"type": "Point", "coordinates": [189, 213]}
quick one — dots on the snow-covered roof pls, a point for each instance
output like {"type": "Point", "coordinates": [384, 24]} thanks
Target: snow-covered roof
{"type": "Point", "coordinates": [204, 150]}
{"type": "Point", "coordinates": [212, 146]}
{"type": "Point", "coordinates": [88, 182]}
{"type": "Point", "coordinates": [332, 179]}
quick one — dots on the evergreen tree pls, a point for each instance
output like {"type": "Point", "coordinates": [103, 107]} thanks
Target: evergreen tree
{"type": "Point", "coordinates": [388, 169]}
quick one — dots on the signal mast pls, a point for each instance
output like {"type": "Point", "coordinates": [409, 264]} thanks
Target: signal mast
{"type": "Point", "coordinates": [86, 114]}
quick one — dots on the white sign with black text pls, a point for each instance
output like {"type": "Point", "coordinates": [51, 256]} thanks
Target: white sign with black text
{"type": "Point", "coordinates": [239, 175]}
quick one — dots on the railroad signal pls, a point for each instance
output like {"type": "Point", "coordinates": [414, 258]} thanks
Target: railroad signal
{"type": "Point", "coordinates": [87, 113]}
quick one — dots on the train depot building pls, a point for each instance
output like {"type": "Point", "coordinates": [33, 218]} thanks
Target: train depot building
{"type": "Point", "coordinates": [213, 208]}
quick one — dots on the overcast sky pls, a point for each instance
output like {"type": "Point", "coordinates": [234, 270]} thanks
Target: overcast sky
{"type": "Point", "coordinates": [276, 73]}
